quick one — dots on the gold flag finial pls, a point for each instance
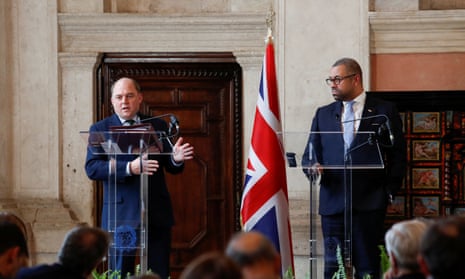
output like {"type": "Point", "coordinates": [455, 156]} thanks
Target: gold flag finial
{"type": "Point", "coordinates": [269, 24]}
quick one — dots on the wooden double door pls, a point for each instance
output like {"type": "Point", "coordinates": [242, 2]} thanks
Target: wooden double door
{"type": "Point", "coordinates": [204, 91]}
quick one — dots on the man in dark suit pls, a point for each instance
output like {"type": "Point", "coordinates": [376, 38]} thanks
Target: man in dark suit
{"type": "Point", "coordinates": [83, 248]}
{"type": "Point", "coordinates": [372, 122]}
{"type": "Point", "coordinates": [126, 98]}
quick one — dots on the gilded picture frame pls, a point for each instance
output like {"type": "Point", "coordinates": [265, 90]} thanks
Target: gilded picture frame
{"type": "Point", "coordinates": [425, 206]}
{"type": "Point", "coordinates": [426, 150]}
{"type": "Point", "coordinates": [426, 122]}
{"type": "Point", "coordinates": [425, 178]}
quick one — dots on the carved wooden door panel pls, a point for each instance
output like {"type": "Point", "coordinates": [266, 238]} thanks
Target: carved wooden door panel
{"type": "Point", "coordinates": [203, 91]}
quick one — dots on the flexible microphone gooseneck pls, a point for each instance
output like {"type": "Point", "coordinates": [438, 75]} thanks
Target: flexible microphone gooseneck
{"type": "Point", "coordinates": [173, 123]}
{"type": "Point", "coordinates": [383, 126]}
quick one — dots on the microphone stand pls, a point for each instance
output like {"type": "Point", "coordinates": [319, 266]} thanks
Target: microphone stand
{"type": "Point", "coordinates": [348, 205]}
{"type": "Point", "coordinates": [144, 148]}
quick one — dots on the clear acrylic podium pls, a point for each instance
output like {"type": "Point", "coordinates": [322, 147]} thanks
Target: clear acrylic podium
{"type": "Point", "coordinates": [137, 140]}
{"type": "Point", "coordinates": [305, 163]}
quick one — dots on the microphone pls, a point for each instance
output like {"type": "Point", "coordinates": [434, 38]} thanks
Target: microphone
{"type": "Point", "coordinates": [161, 116]}
{"type": "Point", "coordinates": [383, 127]}
{"type": "Point", "coordinates": [174, 123]}
{"type": "Point", "coordinates": [391, 135]}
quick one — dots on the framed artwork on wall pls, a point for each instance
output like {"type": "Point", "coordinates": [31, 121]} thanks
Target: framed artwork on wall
{"type": "Point", "coordinates": [426, 150]}
{"type": "Point", "coordinates": [423, 206]}
{"type": "Point", "coordinates": [433, 125]}
{"type": "Point", "coordinates": [426, 122]}
{"type": "Point", "coordinates": [460, 210]}
{"type": "Point", "coordinates": [397, 207]}
{"type": "Point", "coordinates": [425, 178]}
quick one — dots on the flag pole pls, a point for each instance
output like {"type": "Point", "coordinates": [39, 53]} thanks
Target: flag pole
{"type": "Point", "coordinates": [265, 203]}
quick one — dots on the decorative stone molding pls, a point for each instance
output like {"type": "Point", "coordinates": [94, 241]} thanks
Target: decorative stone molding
{"type": "Point", "coordinates": [243, 34]}
{"type": "Point", "coordinates": [77, 60]}
{"type": "Point", "coordinates": [417, 31]}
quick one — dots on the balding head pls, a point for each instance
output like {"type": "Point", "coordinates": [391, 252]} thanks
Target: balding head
{"type": "Point", "coordinates": [251, 242]}
{"type": "Point", "coordinates": [126, 98]}
{"type": "Point", "coordinates": [83, 249]}
{"type": "Point", "coordinates": [255, 254]}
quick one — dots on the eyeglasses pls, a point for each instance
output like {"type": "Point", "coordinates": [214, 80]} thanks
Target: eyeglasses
{"type": "Point", "coordinates": [337, 79]}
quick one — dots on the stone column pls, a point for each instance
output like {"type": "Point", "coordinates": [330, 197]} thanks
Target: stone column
{"type": "Point", "coordinates": [78, 101]}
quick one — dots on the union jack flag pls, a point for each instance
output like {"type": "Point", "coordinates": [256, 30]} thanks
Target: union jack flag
{"type": "Point", "coordinates": [264, 206]}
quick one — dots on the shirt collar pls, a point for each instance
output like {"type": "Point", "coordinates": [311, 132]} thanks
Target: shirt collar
{"type": "Point", "coordinates": [135, 118]}
{"type": "Point", "coordinates": [359, 101]}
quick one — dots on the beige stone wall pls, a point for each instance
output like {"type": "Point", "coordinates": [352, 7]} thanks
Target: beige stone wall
{"type": "Point", "coordinates": [6, 104]}
{"type": "Point", "coordinates": [161, 7]}
{"type": "Point", "coordinates": [51, 47]}
{"type": "Point", "coordinates": [83, 6]}
{"type": "Point", "coordinates": [34, 111]}
{"type": "Point", "coordinates": [394, 5]}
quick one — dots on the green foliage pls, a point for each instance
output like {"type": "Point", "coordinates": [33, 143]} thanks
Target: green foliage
{"type": "Point", "coordinates": [385, 264]}
{"type": "Point", "coordinates": [116, 274]}
{"type": "Point", "coordinates": [289, 274]}
{"type": "Point", "coordinates": [109, 274]}
{"type": "Point", "coordinates": [341, 272]}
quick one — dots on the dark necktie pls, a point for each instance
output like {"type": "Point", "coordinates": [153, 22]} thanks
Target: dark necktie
{"type": "Point", "coordinates": [129, 122]}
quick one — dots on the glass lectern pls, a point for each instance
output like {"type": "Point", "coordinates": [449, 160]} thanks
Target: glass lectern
{"type": "Point", "coordinates": [128, 236]}
{"type": "Point", "coordinates": [304, 154]}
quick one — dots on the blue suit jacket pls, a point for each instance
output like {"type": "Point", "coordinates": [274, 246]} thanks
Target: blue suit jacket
{"type": "Point", "coordinates": [128, 192]}
{"type": "Point", "coordinates": [370, 187]}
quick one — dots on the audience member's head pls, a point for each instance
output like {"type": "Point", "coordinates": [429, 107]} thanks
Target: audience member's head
{"type": "Point", "coordinates": [212, 265]}
{"type": "Point", "coordinates": [403, 245]}
{"type": "Point", "coordinates": [83, 249]}
{"type": "Point", "coordinates": [13, 218]}
{"type": "Point", "coordinates": [442, 249]}
{"type": "Point", "coordinates": [13, 249]}
{"type": "Point", "coordinates": [255, 254]}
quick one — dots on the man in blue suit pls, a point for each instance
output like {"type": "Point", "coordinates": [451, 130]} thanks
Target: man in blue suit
{"type": "Point", "coordinates": [126, 98]}
{"type": "Point", "coordinates": [374, 123]}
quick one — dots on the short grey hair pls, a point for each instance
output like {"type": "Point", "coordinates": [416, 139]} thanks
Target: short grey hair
{"type": "Point", "coordinates": [403, 241]}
